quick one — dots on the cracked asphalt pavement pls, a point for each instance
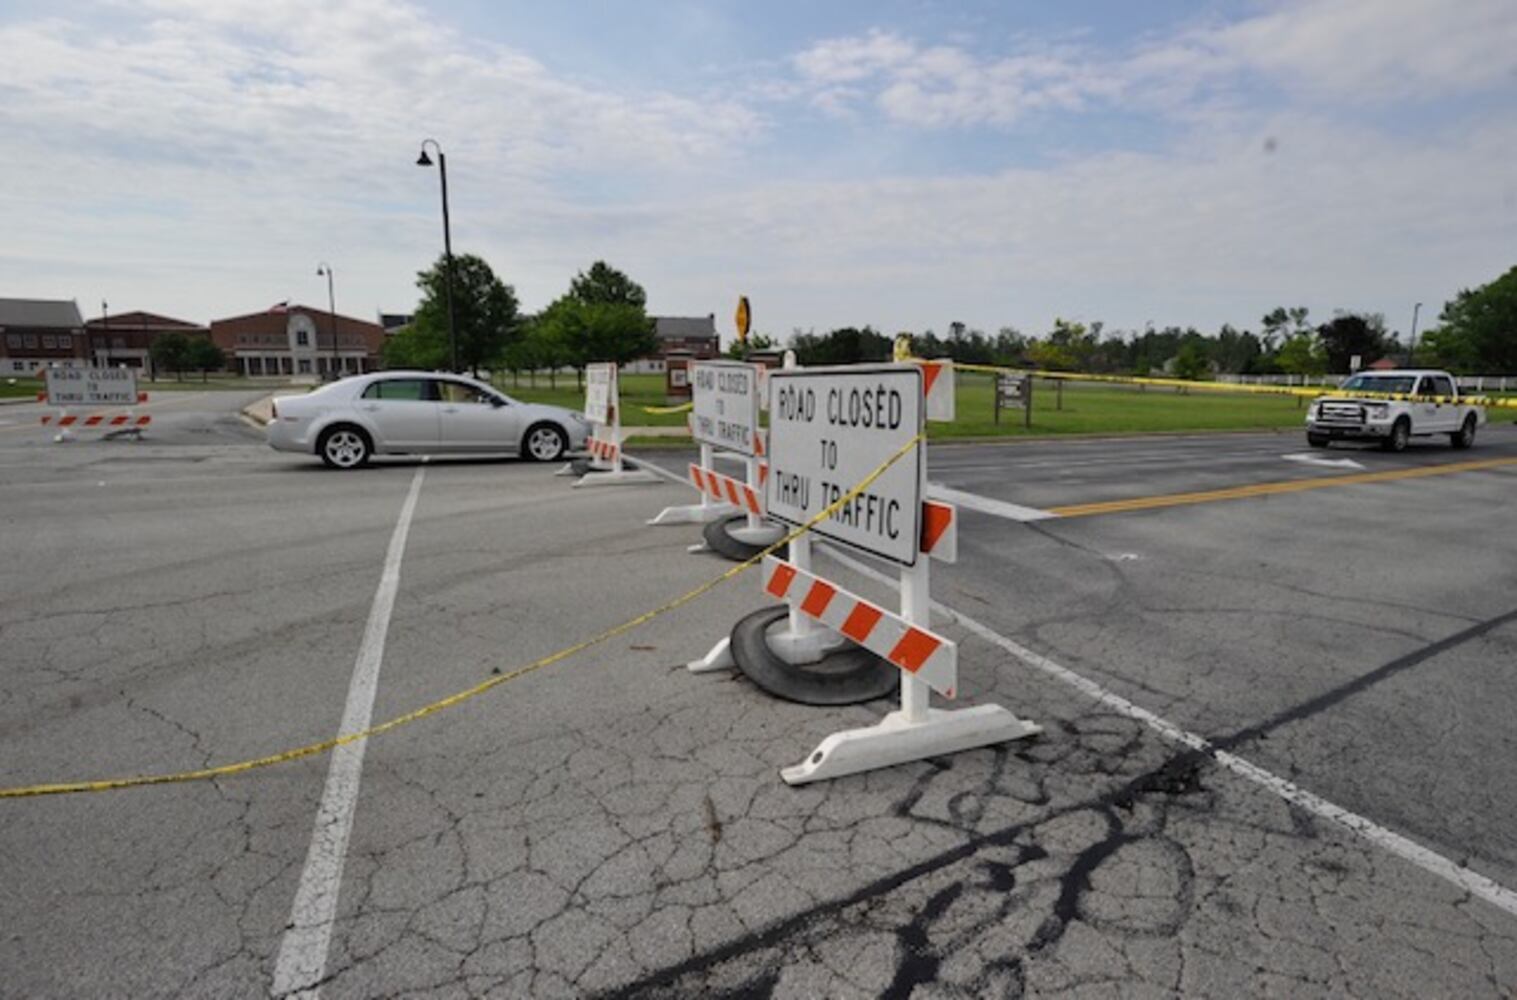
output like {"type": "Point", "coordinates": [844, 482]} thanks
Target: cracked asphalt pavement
{"type": "Point", "coordinates": [615, 826]}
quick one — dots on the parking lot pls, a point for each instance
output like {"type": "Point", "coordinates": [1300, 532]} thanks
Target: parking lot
{"type": "Point", "coordinates": [1276, 753]}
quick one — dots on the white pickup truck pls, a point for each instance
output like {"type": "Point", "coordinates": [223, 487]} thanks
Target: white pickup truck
{"type": "Point", "coordinates": [1392, 407]}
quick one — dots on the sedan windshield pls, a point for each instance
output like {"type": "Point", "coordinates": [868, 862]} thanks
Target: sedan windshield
{"type": "Point", "coordinates": [1380, 383]}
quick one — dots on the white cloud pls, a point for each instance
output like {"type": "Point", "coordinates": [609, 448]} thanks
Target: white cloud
{"type": "Point", "coordinates": [241, 138]}
{"type": "Point", "coordinates": [1351, 52]}
{"type": "Point", "coordinates": [942, 85]}
{"type": "Point", "coordinates": [1374, 50]}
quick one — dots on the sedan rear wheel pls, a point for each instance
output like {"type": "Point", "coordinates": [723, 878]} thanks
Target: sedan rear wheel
{"type": "Point", "coordinates": [344, 448]}
{"type": "Point", "coordinates": [545, 443]}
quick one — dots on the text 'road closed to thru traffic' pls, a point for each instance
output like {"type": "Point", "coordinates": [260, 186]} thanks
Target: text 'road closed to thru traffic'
{"type": "Point", "coordinates": [829, 428]}
{"type": "Point", "coordinates": [91, 386]}
{"type": "Point", "coordinates": [725, 404]}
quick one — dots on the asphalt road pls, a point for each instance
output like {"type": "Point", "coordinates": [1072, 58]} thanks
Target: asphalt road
{"type": "Point", "coordinates": [614, 825]}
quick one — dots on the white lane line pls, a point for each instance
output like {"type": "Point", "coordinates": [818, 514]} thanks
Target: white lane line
{"type": "Point", "coordinates": [659, 470]}
{"type": "Point", "coordinates": [1307, 458]}
{"type": "Point", "coordinates": [303, 952]}
{"type": "Point", "coordinates": [987, 505]}
{"type": "Point", "coordinates": [1471, 882]}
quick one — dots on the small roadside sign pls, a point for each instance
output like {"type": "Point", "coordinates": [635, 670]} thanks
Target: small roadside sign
{"type": "Point", "coordinates": [91, 386]}
{"type": "Point", "coordinates": [1014, 392]}
{"type": "Point", "coordinates": [742, 319]}
{"type": "Point", "coordinates": [829, 428]}
{"type": "Point", "coordinates": [600, 389]}
{"type": "Point", "coordinates": [726, 405]}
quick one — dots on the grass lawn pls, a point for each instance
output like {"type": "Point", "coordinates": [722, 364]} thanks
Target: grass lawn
{"type": "Point", "coordinates": [637, 391]}
{"type": "Point", "coordinates": [1087, 408]}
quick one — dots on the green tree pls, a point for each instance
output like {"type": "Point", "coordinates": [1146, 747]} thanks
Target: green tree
{"type": "Point", "coordinates": [739, 351]}
{"type": "Point", "coordinates": [203, 356]}
{"type": "Point", "coordinates": [1479, 331]}
{"type": "Point", "coordinates": [1302, 354]}
{"type": "Point", "coordinates": [420, 347]}
{"type": "Point", "coordinates": [601, 318]}
{"type": "Point", "coordinates": [171, 352]}
{"type": "Point", "coordinates": [605, 285]}
{"type": "Point", "coordinates": [1349, 334]}
{"type": "Point", "coordinates": [484, 309]}
{"type": "Point", "coordinates": [1190, 362]}
{"type": "Point", "coordinates": [586, 332]}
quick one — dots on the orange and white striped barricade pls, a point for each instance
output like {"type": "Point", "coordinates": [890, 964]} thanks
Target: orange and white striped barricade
{"type": "Point", "coordinates": [829, 429]}
{"type": "Point", "coordinates": [603, 410]}
{"type": "Point", "coordinates": [724, 415]}
{"type": "Point", "coordinates": [86, 388]}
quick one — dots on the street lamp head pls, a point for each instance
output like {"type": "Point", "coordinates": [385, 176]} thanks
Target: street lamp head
{"type": "Point", "coordinates": [423, 160]}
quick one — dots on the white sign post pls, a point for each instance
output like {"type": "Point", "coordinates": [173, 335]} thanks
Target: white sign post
{"type": "Point", "coordinates": [724, 414]}
{"type": "Point", "coordinates": [603, 410]}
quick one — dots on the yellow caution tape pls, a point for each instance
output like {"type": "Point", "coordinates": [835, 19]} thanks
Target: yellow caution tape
{"type": "Point", "coordinates": [312, 749]}
{"type": "Point", "coordinates": [681, 408]}
{"type": "Point", "coordinates": [1265, 390]}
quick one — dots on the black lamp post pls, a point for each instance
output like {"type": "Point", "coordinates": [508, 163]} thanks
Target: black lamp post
{"type": "Point", "coordinates": [326, 269]}
{"type": "Point", "coordinates": [447, 243]}
{"type": "Point", "coordinates": [1411, 346]}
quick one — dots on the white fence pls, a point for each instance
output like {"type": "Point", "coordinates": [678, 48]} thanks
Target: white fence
{"type": "Point", "coordinates": [1467, 383]}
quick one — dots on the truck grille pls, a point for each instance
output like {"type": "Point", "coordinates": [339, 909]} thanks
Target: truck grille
{"type": "Point", "coordinates": [1347, 413]}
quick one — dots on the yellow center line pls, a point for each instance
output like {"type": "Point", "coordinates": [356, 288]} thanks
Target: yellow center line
{"type": "Point", "coordinates": [1270, 489]}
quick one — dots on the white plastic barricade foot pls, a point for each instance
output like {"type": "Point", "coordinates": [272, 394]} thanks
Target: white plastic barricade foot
{"type": "Point", "coordinates": [898, 740]}
{"type": "Point", "coordinates": [720, 658]}
{"type": "Point", "coordinates": [616, 477]}
{"type": "Point", "coordinates": [706, 511]}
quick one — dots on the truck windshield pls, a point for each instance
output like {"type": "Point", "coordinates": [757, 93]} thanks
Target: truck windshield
{"type": "Point", "coordinates": [1380, 383]}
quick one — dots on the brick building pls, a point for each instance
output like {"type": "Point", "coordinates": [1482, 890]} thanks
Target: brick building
{"type": "Point", "coordinates": [297, 340]}
{"type": "Point", "coordinates": [692, 338]}
{"type": "Point", "coordinates": [35, 333]}
{"type": "Point", "coordinates": [126, 339]}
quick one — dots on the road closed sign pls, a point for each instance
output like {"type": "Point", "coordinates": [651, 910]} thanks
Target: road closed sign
{"type": "Point", "coordinates": [91, 386]}
{"type": "Point", "coordinates": [600, 391]}
{"type": "Point", "coordinates": [726, 404]}
{"type": "Point", "coordinates": [829, 428]}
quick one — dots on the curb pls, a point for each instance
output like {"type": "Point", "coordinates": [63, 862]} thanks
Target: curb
{"type": "Point", "coordinates": [258, 410]}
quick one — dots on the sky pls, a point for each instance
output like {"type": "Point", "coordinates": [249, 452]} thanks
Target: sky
{"type": "Point", "coordinates": [899, 163]}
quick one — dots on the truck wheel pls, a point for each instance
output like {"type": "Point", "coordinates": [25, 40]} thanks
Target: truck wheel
{"type": "Point", "coordinates": [1401, 434]}
{"type": "Point", "coordinates": [1316, 440]}
{"type": "Point", "coordinates": [1466, 436]}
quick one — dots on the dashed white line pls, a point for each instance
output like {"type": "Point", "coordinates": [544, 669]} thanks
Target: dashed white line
{"type": "Point", "coordinates": [1408, 850]}
{"type": "Point", "coordinates": [303, 952]}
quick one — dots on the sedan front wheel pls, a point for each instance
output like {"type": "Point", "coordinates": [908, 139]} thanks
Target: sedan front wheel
{"type": "Point", "coordinates": [545, 443]}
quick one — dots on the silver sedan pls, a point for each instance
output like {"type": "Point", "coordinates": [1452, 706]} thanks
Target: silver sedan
{"type": "Point", "coordinates": [419, 413]}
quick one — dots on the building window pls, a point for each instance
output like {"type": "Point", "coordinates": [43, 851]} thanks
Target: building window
{"type": "Point", "coordinates": [118, 343]}
{"type": "Point", "coordinates": [305, 363]}
{"type": "Point", "coordinates": [30, 339]}
{"type": "Point", "coordinates": [302, 340]}
{"type": "Point", "coordinates": [13, 340]}
{"type": "Point", "coordinates": [65, 340]}
{"type": "Point", "coordinates": [18, 366]}
{"type": "Point", "coordinates": [48, 340]}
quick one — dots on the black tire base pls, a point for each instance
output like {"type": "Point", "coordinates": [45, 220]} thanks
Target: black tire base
{"type": "Point", "coordinates": [849, 676]}
{"type": "Point", "coordinates": [719, 539]}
